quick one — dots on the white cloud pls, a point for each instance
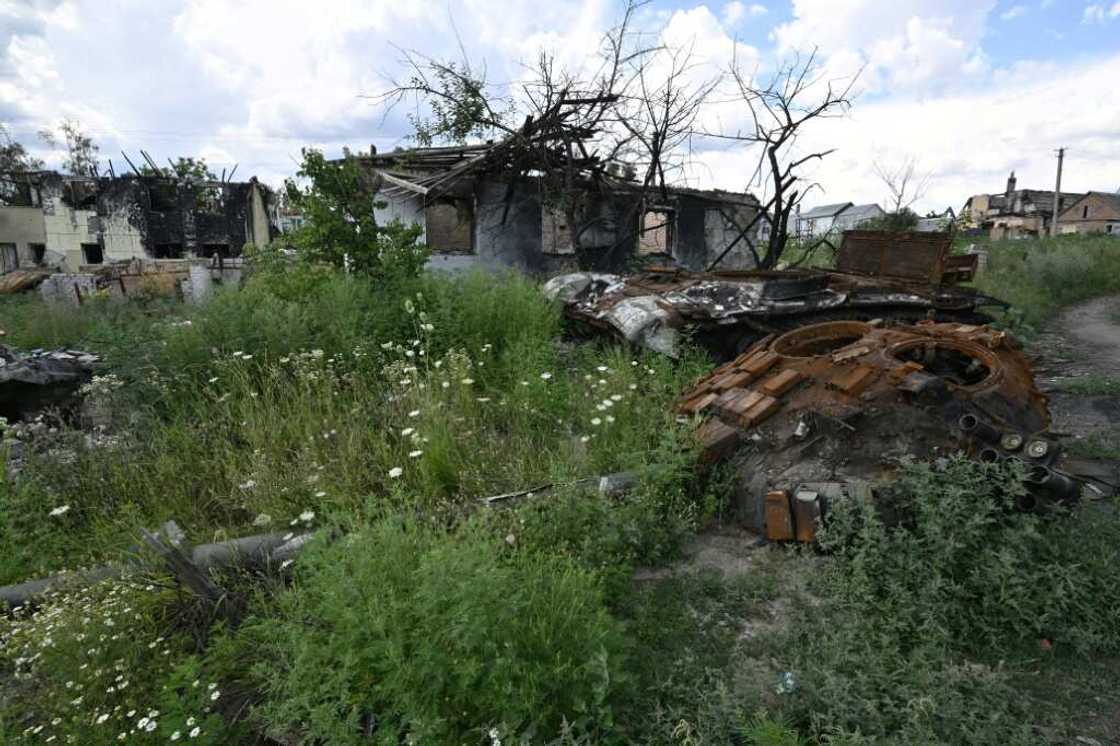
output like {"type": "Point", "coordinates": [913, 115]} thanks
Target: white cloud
{"type": "Point", "coordinates": [1093, 14]}
{"type": "Point", "coordinates": [1096, 13]}
{"type": "Point", "coordinates": [1015, 11]}
{"type": "Point", "coordinates": [902, 44]}
{"type": "Point", "coordinates": [968, 154]}
{"type": "Point", "coordinates": [735, 11]}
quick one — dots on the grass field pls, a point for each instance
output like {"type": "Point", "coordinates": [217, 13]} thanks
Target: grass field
{"type": "Point", "coordinates": [378, 415]}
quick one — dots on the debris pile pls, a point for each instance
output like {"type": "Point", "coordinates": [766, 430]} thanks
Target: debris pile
{"type": "Point", "coordinates": [899, 277]}
{"type": "Point", "coordinates": [825, 411]}
{"type": "Point", "coordinates": [32, 381]}
{"type": "Point", "coordinates": [19, 280]}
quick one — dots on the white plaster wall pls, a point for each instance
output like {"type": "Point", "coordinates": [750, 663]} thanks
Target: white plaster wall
{"type": "Point", "coordinates": [22, 226]}
{"type": "Point", "coordinates": [407, 209]}
{"type": "Point", "coordinates": [121, 240]}
{"type": "Point", "coordinates": [66, 230]}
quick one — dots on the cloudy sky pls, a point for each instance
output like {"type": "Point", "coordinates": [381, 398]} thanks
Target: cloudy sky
{"type": "Point", "coordinates": [972, 88]}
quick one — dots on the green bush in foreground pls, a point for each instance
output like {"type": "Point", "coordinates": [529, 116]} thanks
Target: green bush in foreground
{"type": "Point", "coordinates": [919, 621]}
{"type": "Point", "coordinates": [403, 632]}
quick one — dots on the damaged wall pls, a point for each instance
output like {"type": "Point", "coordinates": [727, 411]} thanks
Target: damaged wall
{"type": "Point", "coordinates": [23, 228]}
{"type": "Point", "coordinates": [81, 221]}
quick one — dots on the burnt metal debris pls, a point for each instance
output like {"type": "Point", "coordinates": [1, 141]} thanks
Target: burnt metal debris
{"type": "Point", "coordinates": [898, 277]}
{"type": "Point", "coordinates": [40, 378]}
{"type": "Point", "coordinates": [825, 412]}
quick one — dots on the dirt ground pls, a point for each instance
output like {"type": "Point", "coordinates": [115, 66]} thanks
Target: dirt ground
{"type": "Point", "coordinates": [1084, 340]}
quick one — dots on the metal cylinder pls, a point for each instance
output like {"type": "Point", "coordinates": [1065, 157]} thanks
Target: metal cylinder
{"type": "Point", "coordinates": [1038, 449]}
{"type": "Point", "coordinates": [1053, 484]}
{"type": "Point", "coordinates": [988, 455]}
{"type": "Point", "coordinates": [974, 427]}
{"type": "Point", "coordinates": [1011, 441]}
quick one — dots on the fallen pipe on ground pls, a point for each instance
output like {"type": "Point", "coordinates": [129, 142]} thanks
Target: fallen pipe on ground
{"type": "Point", "coordinates": [262, 550]}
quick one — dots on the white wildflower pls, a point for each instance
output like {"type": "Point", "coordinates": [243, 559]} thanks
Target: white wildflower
{"type": "Point", "coordinates": [395, 472]}
{"type": "Point", "coordinates": [407, 431]}
{"type": "Point", "coordinates": [414, 413]}
{"type": "Point", "coordinates": [194, 732]}
{"type": "Point", "coordinates": [60, 510]}
{"type": "Point", "coordinates": [415, 454]}
{"type": "Point", "coordinates": [596, 421]}
{"type": "Point", "coordinates": [545, 376]}
{"type": "Point", "coordinates": [262, 520]}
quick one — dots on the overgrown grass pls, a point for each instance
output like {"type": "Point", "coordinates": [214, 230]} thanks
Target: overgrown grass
{"type": "Point", "coordinates": [1038, 277]}
{"type": "Point", "coordinates": [381, 415]}
{"type": "Point", "coordinates": [1090, 385]}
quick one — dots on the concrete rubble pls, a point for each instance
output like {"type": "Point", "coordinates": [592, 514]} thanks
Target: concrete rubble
{"type": "Point", "coordinates": [30, 381]}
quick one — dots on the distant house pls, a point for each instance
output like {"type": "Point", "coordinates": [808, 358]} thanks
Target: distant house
{"type": "Point", "coordinates": [819, 220]}
{"type": "Point", "coordinates": [842, 216]}
{"type": "Point", "coordinates": [936, 223]}
{"type": "Point", "coordinates": [857, 215]}
{"type": "Point", "coordinates": [1017, 213]}
{"type": "Point", "coordinates": [1096, 212]}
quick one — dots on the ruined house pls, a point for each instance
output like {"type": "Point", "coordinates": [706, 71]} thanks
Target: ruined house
{"type": "Point", "coordinates": [478, 206]}
{"type": "Point", "coordinates": [67, 222]}
{"type": "Point", "coordinates": [1096, 212]}
{"type": "Point", "coordinates": [1017, 213]}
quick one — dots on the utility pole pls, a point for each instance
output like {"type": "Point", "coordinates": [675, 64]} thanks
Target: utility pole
{"type": "Point", "coordinates": [1057, 194]}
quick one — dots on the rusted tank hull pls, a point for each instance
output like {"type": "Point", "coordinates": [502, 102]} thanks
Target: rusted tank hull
{"type": "Point", "coordinates": [829, 408]}
{"type": "Point", "coordinates": [727, 312]}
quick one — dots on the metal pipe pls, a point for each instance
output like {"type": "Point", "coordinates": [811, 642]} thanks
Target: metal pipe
{"type": "Point", "coordinates": [989, 455]}
{"type": "Point", "coordinates": [974, 427]}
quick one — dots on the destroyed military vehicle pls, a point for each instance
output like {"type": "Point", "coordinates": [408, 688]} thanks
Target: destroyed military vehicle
{"type": "Point", "coordinates": [898, 277]}
{"type": "Point", "coordinates": [832, 378]}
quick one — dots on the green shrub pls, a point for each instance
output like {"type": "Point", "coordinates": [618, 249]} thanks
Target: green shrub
{"type": "Point", "coordinates": [402, 631]}
{"type": "Point", "coordinates": [916, 617]}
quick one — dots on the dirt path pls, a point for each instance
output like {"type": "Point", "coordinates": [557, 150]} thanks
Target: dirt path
{"type": "Point", "coordinates": [1096, 327]}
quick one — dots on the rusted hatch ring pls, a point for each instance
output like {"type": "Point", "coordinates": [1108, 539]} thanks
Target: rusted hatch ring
{"type": "Point", "coordinates": [820, 339]}
{"type": "Point", "coordinates": [957, 374]}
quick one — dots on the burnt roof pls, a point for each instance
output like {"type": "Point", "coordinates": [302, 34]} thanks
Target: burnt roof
{"type": "Point", "coordinates": [1112, 198]}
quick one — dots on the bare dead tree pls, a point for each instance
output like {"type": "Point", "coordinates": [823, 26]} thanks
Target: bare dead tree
{"type": "Point", "coordinates": [564, 128]}
{"type": "Point", "coordinates": [796, 95]}
{"type": "Point", "coordinates": [906, 183]}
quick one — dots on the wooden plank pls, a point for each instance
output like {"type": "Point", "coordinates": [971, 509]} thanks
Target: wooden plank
{"type": "Point", "coordinates": [781, 382]}
{"type": "Point", "coordinates": [760, 411]}
{"type": "Point", "coordinates": [717, 440]}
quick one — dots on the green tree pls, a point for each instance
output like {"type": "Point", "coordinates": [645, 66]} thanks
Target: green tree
{"type": "Point", "coordinates": [192, 169]}
{"type": "Point", "coordinates": [14, 156]}
{"type": "Point", "coordinates": [81, 150]}
{"type": "Point", "coordinates": [336, 199]}
{"type": "Point", "coordinates": [14, 159]}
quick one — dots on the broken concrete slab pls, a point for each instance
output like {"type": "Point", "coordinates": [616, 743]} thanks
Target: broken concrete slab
{"type": "Point", "coordinates": [33, 380]}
